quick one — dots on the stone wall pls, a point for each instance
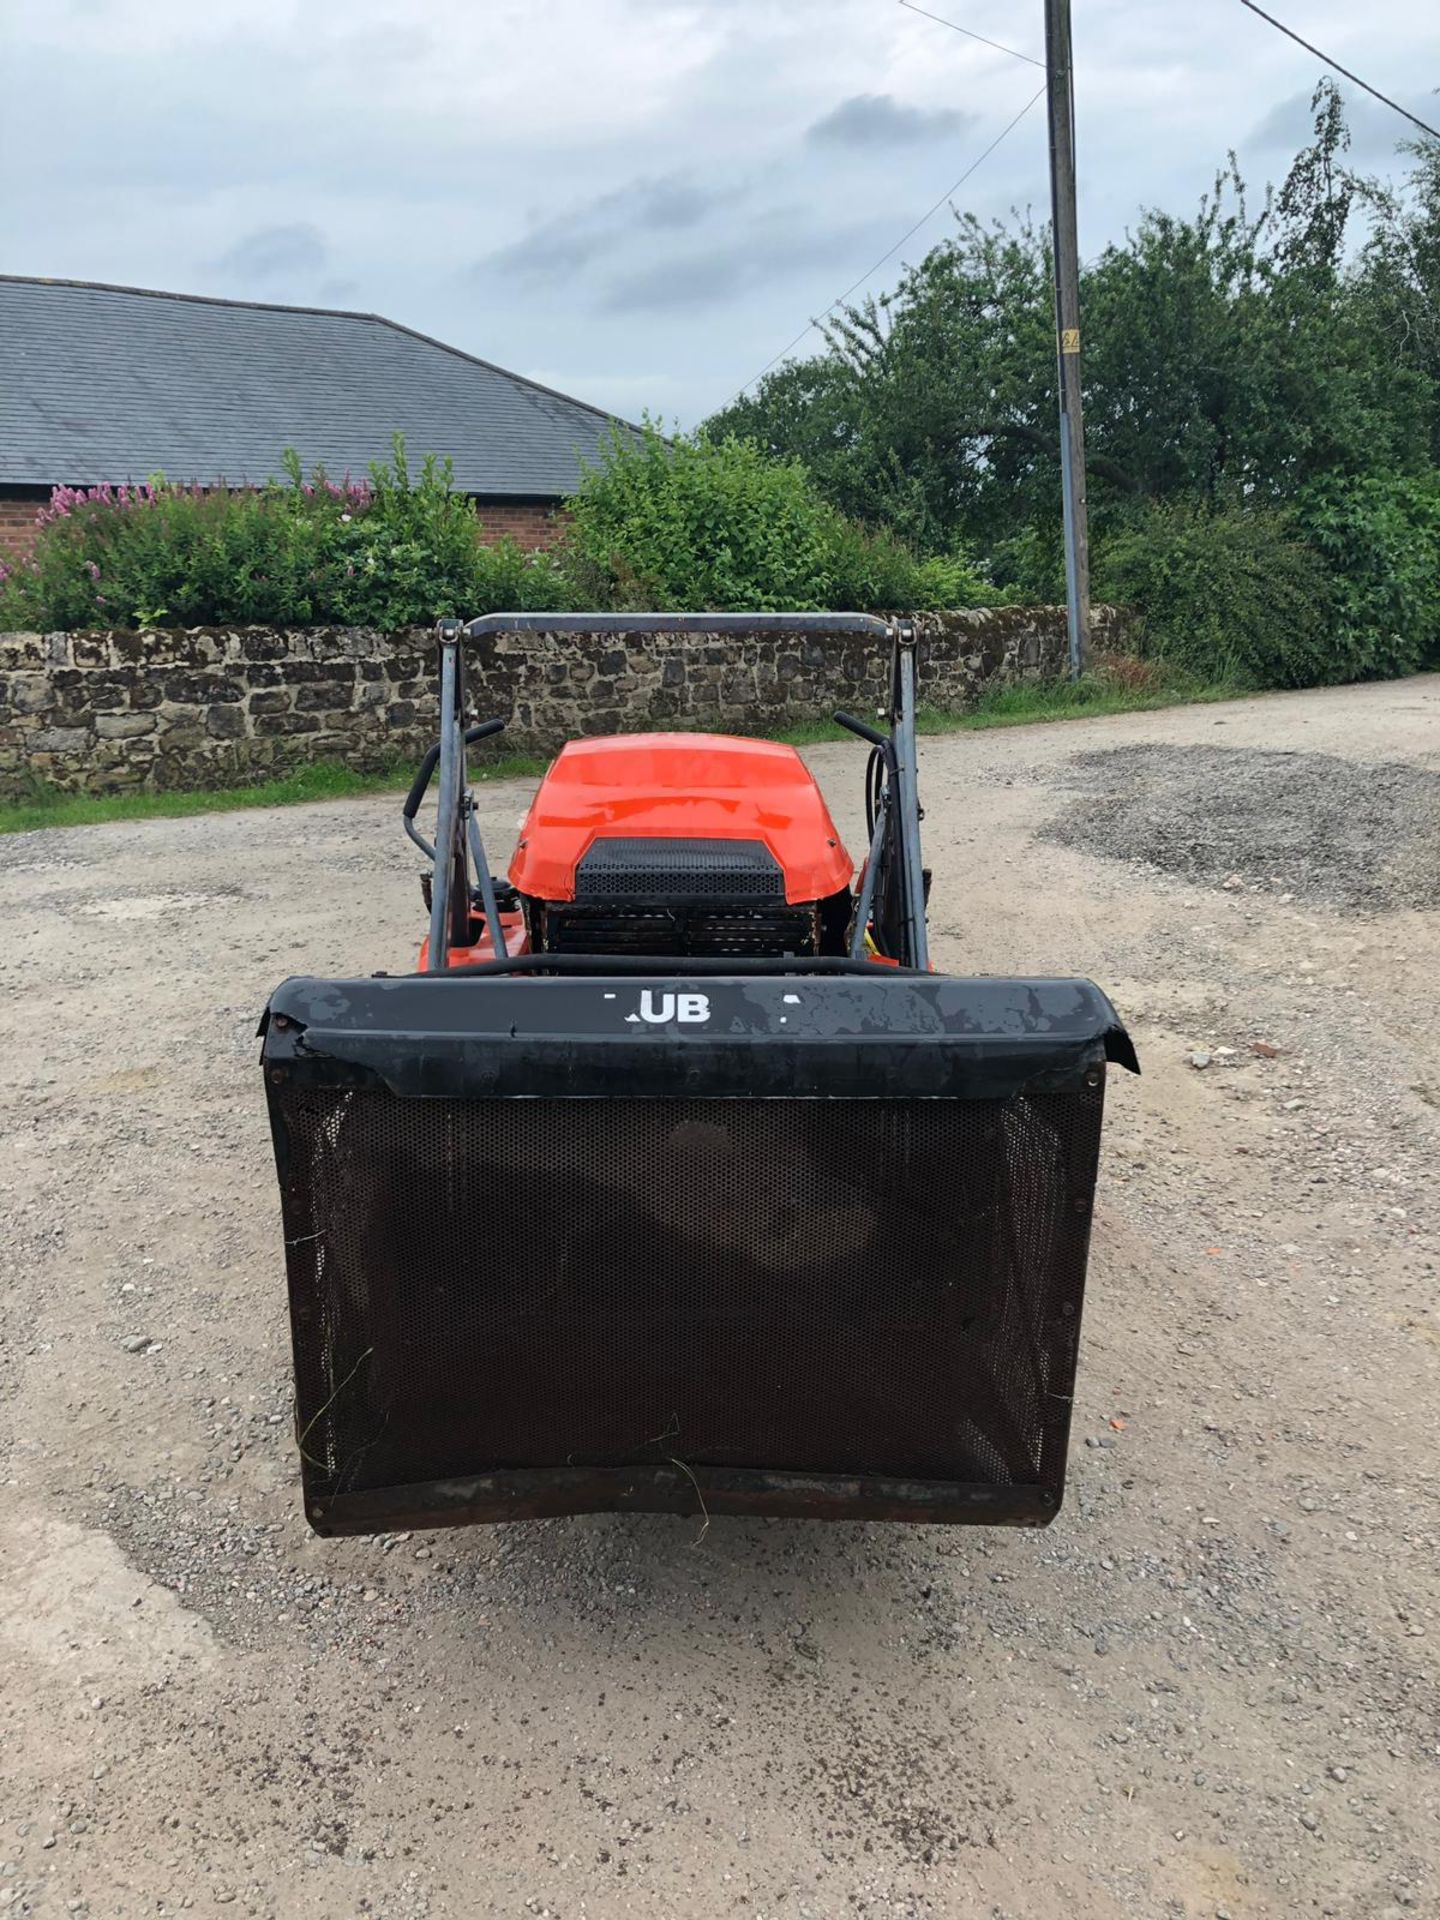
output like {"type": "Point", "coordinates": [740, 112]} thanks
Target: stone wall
{"type": "Point", "coordinates": [207, 707]}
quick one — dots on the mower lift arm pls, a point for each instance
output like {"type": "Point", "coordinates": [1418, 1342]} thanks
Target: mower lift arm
{"type": "Point", "coordinates": [896, 827]}
{"type": "Point", "coordinates": [907, 797]}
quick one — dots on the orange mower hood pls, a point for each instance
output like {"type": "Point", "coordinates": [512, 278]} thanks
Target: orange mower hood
{"type": "Point", "coordinates": [679, 786]}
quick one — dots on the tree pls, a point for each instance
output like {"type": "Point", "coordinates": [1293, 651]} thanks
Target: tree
{"type": "Point", "coordinates": [1399, 280]}
{"type": "Point", "coordinates": [1231, 357]}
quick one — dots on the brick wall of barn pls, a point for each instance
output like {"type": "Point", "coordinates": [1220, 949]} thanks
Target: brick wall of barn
{"type": "Point", "coordinates": [533, 523]}
{"type": "Point", "coordinates": [17, 527]}
{"type": "Point", "coordinates": [210, 707]}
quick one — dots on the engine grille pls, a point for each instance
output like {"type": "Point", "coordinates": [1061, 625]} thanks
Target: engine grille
{"type": "Point", "coordinates": [838, 1286]}
{"type": "Point", "coordinates": [719, 930]}
{"type": "Point", "coordinates": [675, 869]}
{"type": "Point", "coordinates": [717, 899]}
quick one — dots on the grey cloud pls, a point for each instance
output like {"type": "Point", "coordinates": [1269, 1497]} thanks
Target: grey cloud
{"type": "Point", "coordinates": [880, 120]}
{"type": "Point", "coordinates": [556, 246]}
{"type": "Point", "coordinates": [774, 249]}
{"type": "Point", "coordinates": [284, 116]}
{"type": "Point", "coordinates": [693, 280]}
{"type": "Point", "coordinates": [271, 126]}
{"type": "Point", "coordinates": [268, 251]}
{"type": "Point", "coordinates": [1375, 130]}
{"type": "Point", "coordinates": [379, 46]}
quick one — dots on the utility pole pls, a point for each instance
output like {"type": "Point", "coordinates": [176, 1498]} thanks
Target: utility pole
{"type": "Point", "coordinates": [1061, 98]}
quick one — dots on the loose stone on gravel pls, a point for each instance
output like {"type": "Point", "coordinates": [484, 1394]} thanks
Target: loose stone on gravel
{"type": "Point", "coordinates": [605, 1716]}
{"type": "Point", "coordinates": [1350, 832]}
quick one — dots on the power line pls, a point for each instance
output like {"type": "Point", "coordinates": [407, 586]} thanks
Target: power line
{"type": "Point", "coordinates": [1373, 91]}
{"type": "Point", "coordinates": [970, 34]}
{"type": "Point", "coordinates": [929, 213]}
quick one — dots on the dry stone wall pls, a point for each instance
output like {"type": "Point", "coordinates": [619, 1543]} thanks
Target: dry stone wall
{"type": "Point", "coordinates": [207, 707]}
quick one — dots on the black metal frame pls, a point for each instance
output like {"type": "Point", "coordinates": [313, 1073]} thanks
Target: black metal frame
{"type": "Point", "coordinates": [896, 834]}
{"type": "Point", "coordinates": [542, 1493]}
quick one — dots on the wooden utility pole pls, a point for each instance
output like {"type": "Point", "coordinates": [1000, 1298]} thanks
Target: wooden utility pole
{"type": "Point", "coordinates": [1061, 96]}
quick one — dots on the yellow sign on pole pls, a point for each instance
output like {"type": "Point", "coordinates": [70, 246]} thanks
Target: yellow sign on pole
{"type": "Point", "coordinates": [1070, 340]}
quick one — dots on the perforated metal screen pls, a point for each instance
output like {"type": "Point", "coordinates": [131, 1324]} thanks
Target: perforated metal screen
{"type": "Point", "coordinates": [858, 1287]}
{"type": "Point", "coordinates": [627, 869]}
{"type": "Point", "coordinates": [720, 930]}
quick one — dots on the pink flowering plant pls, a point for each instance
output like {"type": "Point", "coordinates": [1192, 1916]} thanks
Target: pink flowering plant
{"type": "Point", "coordinates": [394, 549]}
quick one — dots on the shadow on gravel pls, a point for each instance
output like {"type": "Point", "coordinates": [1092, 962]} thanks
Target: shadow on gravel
{"type": "Point", "coordinates": [657, 1578]}
{"type": "Point", "coordinates": [557, 1567]}
{"type": "Point", "coordinates": [1310, 824]}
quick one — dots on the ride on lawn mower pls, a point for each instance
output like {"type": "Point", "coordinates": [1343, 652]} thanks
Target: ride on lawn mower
{"type": "Point", "coordinates": [675, 1179]}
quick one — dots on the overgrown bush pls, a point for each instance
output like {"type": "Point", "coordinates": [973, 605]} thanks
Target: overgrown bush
{"type": "Point", "coordinates": [392, 550]}
{"type": "Point", "coordinates": [1028, 567]}
{"type": "Point", "coordinates": [1380, 535]}
{"type": "Point", "coordinates": [691, 524]}
{"type": "Point", "coordinates": [952, 580]}
{"type": "Point", "coordinates": [1229, 595]}
{"type": "Point", "coordinates": [694, 524]}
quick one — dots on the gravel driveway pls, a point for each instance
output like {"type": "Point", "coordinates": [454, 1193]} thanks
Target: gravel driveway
{"type": "Point", "coordinates": [1210, 1689]}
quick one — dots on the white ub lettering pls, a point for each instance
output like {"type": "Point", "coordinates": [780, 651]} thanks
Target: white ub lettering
{"type": "Point", "coordinates": [660, 1008]}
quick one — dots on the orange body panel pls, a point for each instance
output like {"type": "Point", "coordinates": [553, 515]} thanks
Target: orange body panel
{"type": "Point", "coordinates": [679, 786]}
{"type": "Point", "coordinates": [517, 941]}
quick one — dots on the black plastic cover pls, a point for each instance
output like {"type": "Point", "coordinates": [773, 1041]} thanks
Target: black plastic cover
{"type": "Point", "coordinates": [916, 1036]}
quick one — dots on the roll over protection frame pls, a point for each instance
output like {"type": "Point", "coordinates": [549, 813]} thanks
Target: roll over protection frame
{"type": "Point", "coordinates": [900, 815]}
{"type": "Point", "coordinates": [420, 784]}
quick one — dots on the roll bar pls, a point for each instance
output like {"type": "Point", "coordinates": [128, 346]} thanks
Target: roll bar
{"type": "Point", "coordinates": [776, 623]}
{"type": "Point", "coordinates": [900, 817]}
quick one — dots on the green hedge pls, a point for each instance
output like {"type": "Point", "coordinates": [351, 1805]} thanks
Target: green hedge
{"type": "Point", "coordinates": [392, 550]}
{"type": "Point", "coordinates": [1344, 586]}
{"type": "Point", "coordinates": [1226, 595]}
{"type": "Point", "coordinates": [1380, 536]}
{"type": "Point", "coordinates": [670, 524]}
{"type": "Point", "coordinates": [694, 523]}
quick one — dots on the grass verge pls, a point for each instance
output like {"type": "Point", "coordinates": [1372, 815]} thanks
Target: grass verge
{"type": "Point", "coordinates": [1094, 695]}
{"type": "Point", "coordinates": [1087, 698]}
{"type": "Point", "coordinates": [325, 780]}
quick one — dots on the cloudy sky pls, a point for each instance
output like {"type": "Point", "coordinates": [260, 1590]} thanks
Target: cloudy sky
{"type": "Point", "coordinates": [637, 201]}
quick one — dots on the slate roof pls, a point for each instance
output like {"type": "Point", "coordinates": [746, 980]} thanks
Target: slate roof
{"type": "Point", "coordinates": [101, 383]}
